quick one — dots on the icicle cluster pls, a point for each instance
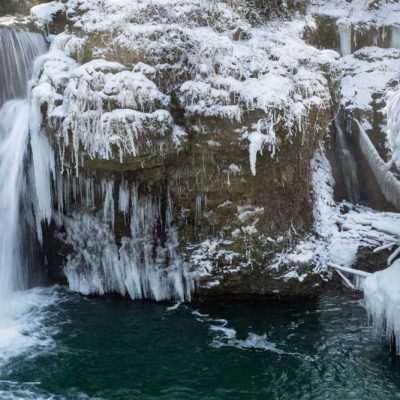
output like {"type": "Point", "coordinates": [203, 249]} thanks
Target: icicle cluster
{"type": "Point", "coordinates": [142, 265]}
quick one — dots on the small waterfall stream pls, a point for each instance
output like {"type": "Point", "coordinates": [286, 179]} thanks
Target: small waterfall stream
{"type": "Point", "coordinates": [18, 50]}
{"type": "Point", "coordinates": [347, 162]}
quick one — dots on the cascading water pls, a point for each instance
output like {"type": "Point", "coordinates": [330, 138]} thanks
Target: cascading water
{"type": "Point", "coordinates": [14, 128]}
{"type": "Point", "coordinates": [18, 50]}
{"type": "Point", "coordinates": [347, 162]}
{"type": "Point", "coordinates": [345, 39]}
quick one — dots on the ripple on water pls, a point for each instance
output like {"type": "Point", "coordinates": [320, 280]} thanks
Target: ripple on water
{"type": "Point", "coordinates": [60, 346]}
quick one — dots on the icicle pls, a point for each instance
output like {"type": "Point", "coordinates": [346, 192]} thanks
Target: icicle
{"type": "Point", "coordinates": [44, 169]}
{"type": "Point", "coordinates": [382, 301]}
{"type": "Point", "coordinates": [198, 205]}
{"type": "Point", "coordinates": [108, 207]}
{"type": "Point", "coordinates": [142, 266]}
{"type": "Point", "coordinates": [124, 197]}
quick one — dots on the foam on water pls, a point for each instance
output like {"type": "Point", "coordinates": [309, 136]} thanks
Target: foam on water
{"type": "Point", "coordinates": [225, 336]}
{"type": "Point", "coordinates": [30, 391]}
{"type": "Point", "coordinates": [23, 327]}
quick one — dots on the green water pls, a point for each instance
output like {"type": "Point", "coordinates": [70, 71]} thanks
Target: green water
{"type": "Point", "coordinates": [118, 349]}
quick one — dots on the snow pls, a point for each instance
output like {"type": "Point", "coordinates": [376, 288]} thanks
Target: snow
{"type": "Point", "coordinates": [341, 230]}
{"type": "Point", "coordinates": [269, 71]}
{"type": "Point", "coordinates": [387, 13]}
{"type": "Point", "coordinates": [43, 14]}
{"type": "Point", "coordinates": [368, 73]}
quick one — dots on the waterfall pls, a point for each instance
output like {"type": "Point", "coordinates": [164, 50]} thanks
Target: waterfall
{"type": "Point", "coordinates": [395, 37]}
{"type": "Point", "coordinates": [18, 50]}
{"type": "Point", "coordinates": [345, 39]}
{"type": "Point", "coordinates": [14, 128]}
{"type": "Point", "coordinates": [348, 163]}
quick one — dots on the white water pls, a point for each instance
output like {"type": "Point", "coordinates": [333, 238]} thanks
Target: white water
{"type": "Point", "coordinates": [20, 316]}
{"type": "Point", "coordinates": [345, 39]}
{"type": "Point", "coordinates": [14, 130]}
{"type": "Point", "coordinates": [18, 51]}
{"type": "Point", "coordinates": [395, 38]}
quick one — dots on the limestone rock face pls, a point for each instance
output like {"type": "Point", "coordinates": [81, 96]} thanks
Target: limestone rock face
{"type": "Point", "coordinates": [182, 137]}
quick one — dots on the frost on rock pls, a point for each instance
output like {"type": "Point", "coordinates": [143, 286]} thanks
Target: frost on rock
{"type": "Point", "coordinates": [108, 108]}
{"type": "Point", "coordinates": [382, 301]}
{"type": "Point", "coordinates": [100, 109]}
{"type": "Point", "coordinates": [209, 62]}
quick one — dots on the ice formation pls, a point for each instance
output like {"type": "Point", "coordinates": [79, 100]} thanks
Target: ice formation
{"type": "Point", "coordinates": [393, 115]}
{"type": "Point", "coordinates": [382, 300]}
{"type": "Point", "coordinates": [345, 39]}
{"type": "Point", "coordinates": [141, 265]}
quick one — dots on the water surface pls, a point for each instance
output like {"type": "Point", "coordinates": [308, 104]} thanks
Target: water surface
{"type": "Point", "coordinates": [88, 348]}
